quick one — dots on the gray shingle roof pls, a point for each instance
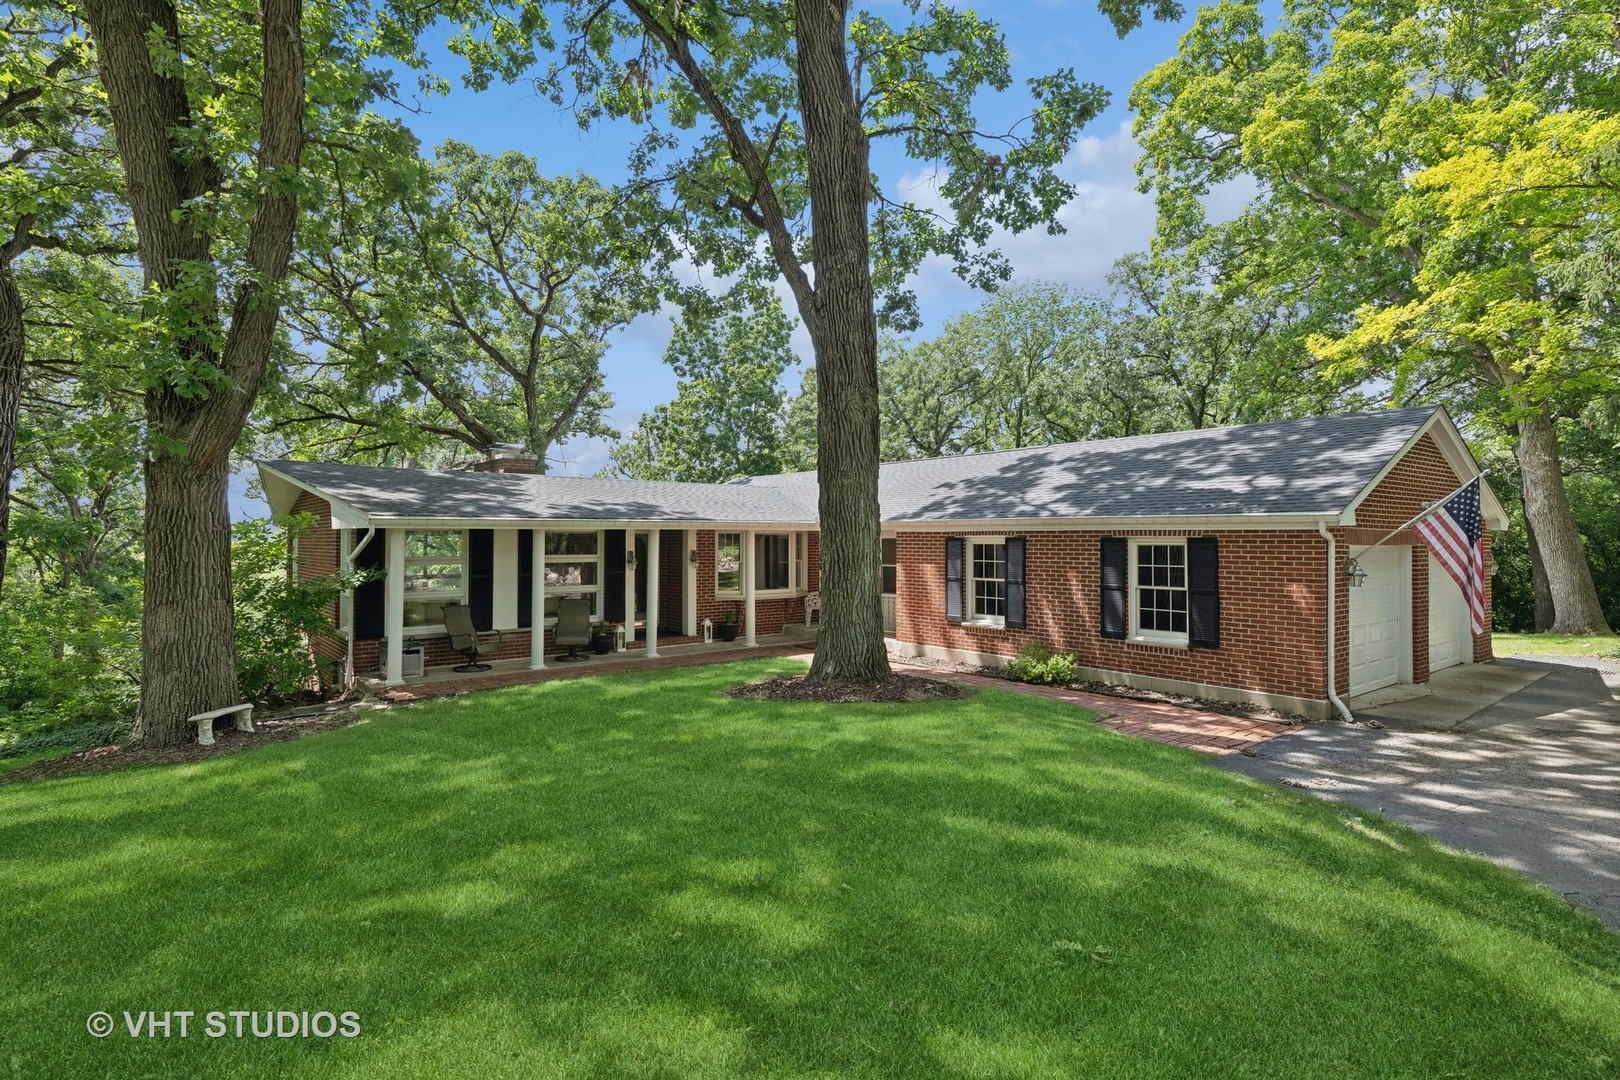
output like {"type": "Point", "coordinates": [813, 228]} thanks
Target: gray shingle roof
{"type": "Point", "coordinates": [1311, 466]}
{"type": "Point", "coordinates": [418, 493]}
{"type": "Point", "coordinates": [1314, 466]}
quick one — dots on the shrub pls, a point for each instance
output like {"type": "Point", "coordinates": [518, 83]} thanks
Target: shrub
{"type": "Point", "coordinates": [69, 666]}
{"type": "Point", "coordinates": [277, 616]}
{"type": "Point", "coordinates": [1037, 663]}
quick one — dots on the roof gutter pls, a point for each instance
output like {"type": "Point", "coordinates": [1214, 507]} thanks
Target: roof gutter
{"type": "Point", "coordinates": [348, 660]}
{"type": "Point", "coordinates": [1333, 623]}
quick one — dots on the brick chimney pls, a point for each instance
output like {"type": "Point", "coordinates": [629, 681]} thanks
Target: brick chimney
{"type": "Point", "coordinates": [506, 458]}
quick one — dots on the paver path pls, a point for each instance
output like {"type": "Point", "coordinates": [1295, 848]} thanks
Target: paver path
{"type": "Point", "coordinates": [1207, 732]}
{"type": "Point", "coordinates": [1532, 782]}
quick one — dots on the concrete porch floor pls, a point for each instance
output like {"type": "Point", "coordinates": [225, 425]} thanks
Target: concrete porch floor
{"type": "Point", "coordinates": [441, 680]}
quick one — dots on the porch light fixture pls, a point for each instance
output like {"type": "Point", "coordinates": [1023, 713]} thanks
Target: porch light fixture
{"type": "Point", "coordinates": [691, 556]}
{"type": "Point", "coordinates": [630, 559]}
{"type": "Point", "coordinates": [1353, 571]}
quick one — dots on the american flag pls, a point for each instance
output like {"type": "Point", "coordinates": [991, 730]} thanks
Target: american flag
{"type": "Point", "coordinates": [1452, 531]}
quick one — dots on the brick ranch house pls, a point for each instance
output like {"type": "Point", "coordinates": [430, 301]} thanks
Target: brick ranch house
{"type": "Point", "coordinates": [1206, 562]}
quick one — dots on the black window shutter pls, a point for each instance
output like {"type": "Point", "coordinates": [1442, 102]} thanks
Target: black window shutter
{"type": "Point", "coordinates": [613, 575]}
{"type": "Point", "coordinates": [369, 597]}
{"type": "Point", "coordinates": [481, 577]}
{"type": "Point", "coordinates": [1116, 571]}
{"type": "Point", "coordinates": [1203, 593]}
{"type": "Point", "coordinates": [1015, 582]}
{"type": "Point", "coordinates": [953, 578]}
{"type": "Point", "coordinates": [525, 578]}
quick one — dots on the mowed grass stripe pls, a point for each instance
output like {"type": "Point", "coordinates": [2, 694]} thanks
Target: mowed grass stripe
{"type": "Point", "coordinates": [634, 875]}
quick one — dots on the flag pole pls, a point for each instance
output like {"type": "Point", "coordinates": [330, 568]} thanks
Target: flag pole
{"type": "Point", "coordinates": [1427, 510]}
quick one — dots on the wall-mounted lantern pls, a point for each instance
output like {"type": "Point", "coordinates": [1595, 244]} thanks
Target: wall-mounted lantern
{"type": "Point", "coordinates": [1353, 571]}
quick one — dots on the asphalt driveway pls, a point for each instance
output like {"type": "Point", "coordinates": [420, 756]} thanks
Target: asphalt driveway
{"type": "Point", "coordinates": [1531, 782]}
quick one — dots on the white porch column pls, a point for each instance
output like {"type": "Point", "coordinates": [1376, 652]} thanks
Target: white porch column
{"type": "Point", "coordinates": [537, 605]}
{"type": "Point", "coordinates": [748, 587]}
{"type": "Point", "coordinates": [652, 592]}
{"type": "Point", "coordinates": [394, 607]}
{"type": "Point", "coordinates": [629, 587]}
{"type": "Point", "coordinates": [689, 620]}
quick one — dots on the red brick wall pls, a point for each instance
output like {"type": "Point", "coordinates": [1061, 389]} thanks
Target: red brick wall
{"type": "Point", "coordinates": [1272, 609]}
{"type": "Point", "coordinates": [318, 555]}
{"type": "Point", "coordinates": [1273, 596]}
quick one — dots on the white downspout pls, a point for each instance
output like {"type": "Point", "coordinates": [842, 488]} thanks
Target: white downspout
{"type": "Point", "coordinates": [1333, 622]}
{"type": "Point", "coordinates": [348, 660]}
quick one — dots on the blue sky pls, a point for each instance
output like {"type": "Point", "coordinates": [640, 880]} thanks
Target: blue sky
{"type": "Point", "coordinates": [1107, 218]}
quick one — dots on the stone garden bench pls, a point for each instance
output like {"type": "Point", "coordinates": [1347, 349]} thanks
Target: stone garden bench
{"type": "Point", "coordinates": [242, 721]}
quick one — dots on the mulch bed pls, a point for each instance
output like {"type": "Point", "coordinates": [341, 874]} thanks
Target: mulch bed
{"type": "Point", "coordinates": [900, 688]}
{"type": "Point", "coordinates": [120, 756]}
{"type": "Point", "coordinates": [1247, 710]}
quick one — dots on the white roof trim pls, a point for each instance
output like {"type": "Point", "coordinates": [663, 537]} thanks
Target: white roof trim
{"type": "Point", "coordinates": [281, 491]}
{"type": "Point", "coordinates": [1457, 455]}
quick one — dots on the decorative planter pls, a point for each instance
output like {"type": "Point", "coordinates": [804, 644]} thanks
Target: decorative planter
{"type": "Point", "coordinates": [727, 631]}
{"type": "Point", "coordinates": [601, 644]}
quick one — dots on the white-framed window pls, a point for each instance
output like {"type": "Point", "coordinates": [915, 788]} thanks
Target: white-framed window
{"type": "Point", "coordinates": [573, 568]}
{"type": "Point", "coordinates": [435, 575]}
{"type": "Point", "coordinates": [778, 562]}
{"type": "Point", "coordinates": [728, 563]}
{"type": "Point", "coordinates": [987, 581]}
{"type": "Point", "coordinates": [889, 565]}
{"type": "Point", "coordinates": [1159, 590]}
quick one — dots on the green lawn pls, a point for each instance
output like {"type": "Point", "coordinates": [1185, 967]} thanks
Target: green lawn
{"type": "Point", "coordinates": [1555, 645]}
{"type": "Point", "coordinates": [635, 876]}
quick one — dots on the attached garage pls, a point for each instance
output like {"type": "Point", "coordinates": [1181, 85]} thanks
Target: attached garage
{"type": "Point", "coordinates": [1379, 641]}
{"type": "Point", "coordinates": [1450, 643]}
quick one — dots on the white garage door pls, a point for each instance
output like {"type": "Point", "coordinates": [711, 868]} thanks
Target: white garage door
{"type": "Point", "coordinates": [1449, 640]}
{"type": "Point", "coordinates": [1376, 642]}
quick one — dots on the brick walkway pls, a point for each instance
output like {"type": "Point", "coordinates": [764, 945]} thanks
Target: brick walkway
{"type": "Point", "coordinates": [1206, 732]}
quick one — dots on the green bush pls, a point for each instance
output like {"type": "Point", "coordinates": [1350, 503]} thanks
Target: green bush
{"type": "Point", "coordinates": [275, 616]}
{"type": "Point", "coordinates": [1037, 663]}
{"type": "Point", "coordinates": [69, 666]}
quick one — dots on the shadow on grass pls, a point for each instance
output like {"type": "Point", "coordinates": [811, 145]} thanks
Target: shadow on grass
{"type": "Point", "coordinates": [635, 876]}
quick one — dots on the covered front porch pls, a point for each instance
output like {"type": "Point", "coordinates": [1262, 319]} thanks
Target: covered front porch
{"type": "Point", "coordinates": [653, 587]}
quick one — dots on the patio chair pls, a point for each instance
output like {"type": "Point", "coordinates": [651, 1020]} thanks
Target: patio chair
{"type": "Point", "coordinates": [573, 627]}
{"type": "Point", "coordinates": [458, 626]}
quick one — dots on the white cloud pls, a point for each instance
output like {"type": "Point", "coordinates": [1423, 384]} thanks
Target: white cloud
{"type": "Point", "coordinates": [1107, 218]}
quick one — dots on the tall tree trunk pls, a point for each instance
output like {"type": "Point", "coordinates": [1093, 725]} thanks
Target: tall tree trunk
{"type": "Point", "coordinates": [188, 648]}
{"type": "Point", "coordinates": [187, 643]}
{"type": "Point", "coordinates": [1576, 608]}
{"type": "Point", "coordinates": [843, 329]}
{"type": "Point", "coordinates": [1544, 616]}
{"type": "Point", "coordinates": [12, 357]}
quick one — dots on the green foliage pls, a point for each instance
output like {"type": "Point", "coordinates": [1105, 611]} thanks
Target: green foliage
{"type": "Point", "coordinates": [69, 666]}
{"type": "Point", "coordinates": [461, 302]}
{"type": "Point", "coordinates": [726, 418]}
{"type": "Point", "coordinates": [276, 616]}
{"type": "Point", "coordinates": [1036, 662]}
